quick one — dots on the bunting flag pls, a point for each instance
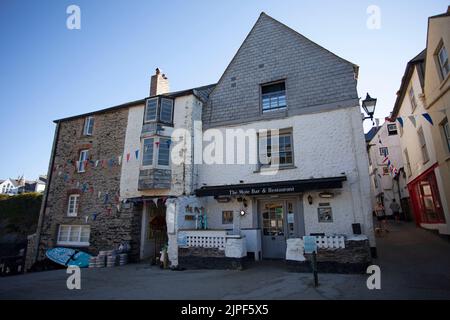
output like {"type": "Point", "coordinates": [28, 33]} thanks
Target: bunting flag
{"type": "Point", "coordinates": [94, 216]}
{"type": "Point", "coordinates": [119, 160]}
{"type": "Point", "coordinates": [400, 120]}
{"type": "Point", "coordinates": [137, 154]}
{"type": "Point", "coordinates": [413, 120]}
{"type": "Point", "coordinates": [427, 117]}
{"type": "Point", "coordinates": [96, 163]}
{"type": "Point", "coordinates": [128, 157]}
{"type": "Point", "coordinates": [385, 159]}
{"type": "Point", "coordinates": [157, 144]}
{"type": "Point", "coordinates": [106, 199]}
{"type": "Point", "coordinates": [111, 162]}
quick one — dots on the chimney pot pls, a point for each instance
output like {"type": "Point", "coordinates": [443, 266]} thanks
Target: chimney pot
{"type": "Point", "coordinates": [159, 84]}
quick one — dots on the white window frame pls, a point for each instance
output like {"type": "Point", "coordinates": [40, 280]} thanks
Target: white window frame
{"type": "Point", "coordinates": [81, 167]}
{"type": "Point", "coordinates": [88, 126]}
{"type": "Point", "coordinates": [76, 200]}
{"type": "Point", "coordinates": [146, 109]}
{"type": "Point", "coordinates": [161, 110]}
{"type": "Point", "coordinates": [281, 133]}
{"type": "Point", "coordinates": [444, 67]}
{"type": "Point", "coordinates": [407, 162]}
{"type": "Point", "coordinates": [78, 242]}
{"type": "Point", "coordinates": [446, 133]}
{"type": "Point", "coordinates": [389, 126]}
{"type": "Point", "coordinates": [423, 145]}
{"type": "Point", "coordinates": [276, 94]}
{"type": "Point", "coordinates": [412, 98]}
{"type": "Point", "coordinates": [155, 158]}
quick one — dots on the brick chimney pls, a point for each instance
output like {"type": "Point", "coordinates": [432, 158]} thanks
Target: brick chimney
{"type": "Point", "coordinates": [159, 84]}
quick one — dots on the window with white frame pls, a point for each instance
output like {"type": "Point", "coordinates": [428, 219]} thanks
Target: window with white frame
{"type": "Point", "coordinates": [423, 145]}
{"type": "Point", "coordinates": [72, 205]}
{"type": "Point", "coordinates": [74, 235]}
{"type": "Point", "coordinates": [82, 160]}
{"type": "Point", "coordinates": [392, 129]}
{"type": "Point", "coordinates": [166, 110]}
{"type": "Point", "coordinates": [443, 62]}
{"type": "Point", "coordinates": [88, 126]}
{"type": "Point", "coordinates": [408, 164]}
{"type": "Point", "coordinates": [147, 156]}
{"type": "Point", "coordinates": [159, 109]}
{"type": "Point", "coordinates": [276, 150]}
{"type": "Point", "coordinates": [164, 152]}
{"type": "Point", "coordinates": [156, 152]}
{"type": "Point", "coordinates": [151, 109]}
{"type": "Point", "coordinates": [446, 132]}
{"type": "Point", "coordinates": [412, 99]}
{"type": "Point", "coordinates": [273, 97]}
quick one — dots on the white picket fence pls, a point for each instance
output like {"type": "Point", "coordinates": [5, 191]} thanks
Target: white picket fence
{"type": "Point", "coordinates": [330, 242]}
{"type": "Point", "coordinates": [206, 238]}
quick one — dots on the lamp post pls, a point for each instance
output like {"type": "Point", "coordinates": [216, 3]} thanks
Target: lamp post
{"type": "Point", "coordinates": [368, 105]}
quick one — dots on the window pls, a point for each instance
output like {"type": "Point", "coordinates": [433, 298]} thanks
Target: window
{"type": "Point", "coordinates": [82, 160]}
{"type": "Point", "coordinates": [74, 235]}
{"type": "Point", "coordinates": [412, 99]}
{"type": "Point", "coordinates": [159, 155]}
{"type": "Point", "coordinates": [408, 164]}
{"type": "Point", "coordinates": [384, 151]}
{"type": "Point", "coordinates": [446, 132]}
{"type": "Point", "coordinates": [443, 62]}
{"type": "Point", "coordinates": [159, 109]}
{"type": "Point", "coordinates": [227, 217]}
{"type": "Point", "coordinates": [166, 110]}
{"type": "Point", "coordinates": [273, 97]}
{"type": "Point", "coordinates": [392, 129]}
{"type": "Point", "coordinates": [72, 206]}
{"type": "Point", "coordinates": [88, 126]}
{"type": "Point", "coordinates": [147, 158]}
{"type": "Point", "coordinates": [423, 145]}
{"type": "Point", "coordinates": [164, 151]}
{"type": "Point", "coordinates": [268, 153]}
{"type": "Point", "coordinates": [385, 171]}
{"type": "Point", "coordinates": [150, 109]}
{"type": "Point", "coordinates": [325, 214]}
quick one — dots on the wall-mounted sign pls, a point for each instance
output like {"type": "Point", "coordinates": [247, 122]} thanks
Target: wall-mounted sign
{"type": "Point", "coordinates": [309, 244]}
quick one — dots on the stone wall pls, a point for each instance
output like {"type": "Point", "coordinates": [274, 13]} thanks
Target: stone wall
{"type": "Point", "coordinates": [208, 258]}
{"type": "Point", "coordinates": [354, 258]}
{"type": "Point", "coordinates": [111, 222]}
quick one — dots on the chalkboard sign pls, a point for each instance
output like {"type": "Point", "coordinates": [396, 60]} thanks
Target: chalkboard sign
{"type": "Point", "coordinates": [309, 244]}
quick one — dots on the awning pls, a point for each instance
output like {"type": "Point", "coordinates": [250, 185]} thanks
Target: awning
{"type": "Point", "coordinates": [274, 187]}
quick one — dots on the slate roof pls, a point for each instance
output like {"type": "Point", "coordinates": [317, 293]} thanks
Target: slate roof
{"type": "Point", "coordinates": [201, 92]}
{"type": "Point", "coordinates": [371, 133]}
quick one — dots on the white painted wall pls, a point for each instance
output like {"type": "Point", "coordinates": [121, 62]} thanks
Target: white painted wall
{"type": "Point", "coordinates": [386, 184]}
{"type": "Point", "coordinates": [326, 144]}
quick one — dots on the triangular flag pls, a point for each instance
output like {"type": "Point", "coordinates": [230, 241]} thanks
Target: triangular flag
{"type": "Point", "coordinates": [137, 153]}
{"type": "Point", "coordinates": [400, 120]}
{"type": "Point", "coordinates": [128, 157]}
{"type": "Point", "coordinates": [413, 120]}
{"type": "Point", "coordinates": [385, 159]}
{"type": "Point", "coordinates": [96, 163]}
{"type": "Point", "coordinates": [427, 117]}
{"type": "Point", "coordinates": [119, 160]}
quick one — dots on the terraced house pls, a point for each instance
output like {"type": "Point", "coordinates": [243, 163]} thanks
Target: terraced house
{"type": "Point", "coordinates": [113, 177]}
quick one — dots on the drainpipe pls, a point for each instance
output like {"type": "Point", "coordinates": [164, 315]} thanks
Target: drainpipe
{"type": "Point", "coordinates": [47, 190]}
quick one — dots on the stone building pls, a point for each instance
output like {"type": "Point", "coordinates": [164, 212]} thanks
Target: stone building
{"type": "Point", "coordinates": [142, 171]}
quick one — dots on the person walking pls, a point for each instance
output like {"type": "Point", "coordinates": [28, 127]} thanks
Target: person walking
{"type": "Point", "coordinates": [381, 217]}
{"type": "Point", "coordinates": [395, 208]}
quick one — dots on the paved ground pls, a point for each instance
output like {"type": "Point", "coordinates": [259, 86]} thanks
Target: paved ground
{"type": "Point", "coordinates": [415, 264]}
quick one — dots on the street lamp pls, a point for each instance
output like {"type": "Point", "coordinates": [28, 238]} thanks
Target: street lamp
{"type": "Point", "coordinates": [368, 105]}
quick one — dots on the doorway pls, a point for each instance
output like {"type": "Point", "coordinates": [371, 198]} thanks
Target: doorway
{"type": "Point", "coordinates": [153, 230]}
{"type": "Point", "coordinates": [279, 220]}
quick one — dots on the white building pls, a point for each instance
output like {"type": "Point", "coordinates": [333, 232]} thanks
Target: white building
{"type": "Point", "coordinates": [387, 174]}
{"type": "Point", "coordinates": [9, 187]}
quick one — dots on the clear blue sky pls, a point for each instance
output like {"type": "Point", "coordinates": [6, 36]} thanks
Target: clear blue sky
{"type": "Point", "coordinates": [48, 72]}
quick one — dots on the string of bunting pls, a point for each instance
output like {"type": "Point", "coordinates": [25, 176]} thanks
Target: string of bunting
{"type": "Point", "coordinates": [393, 171]}
{"type": "Point", "coordinates": [414, 117]}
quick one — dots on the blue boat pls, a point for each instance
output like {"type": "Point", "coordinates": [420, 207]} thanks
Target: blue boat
{"type": "Point", "coordinates": [68, 257]}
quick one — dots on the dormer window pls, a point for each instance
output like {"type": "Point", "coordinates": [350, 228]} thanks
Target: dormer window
{"type": "Point", "coordinates": [273, 97]}
{"type": "Point", "coordinates": [159, 110]}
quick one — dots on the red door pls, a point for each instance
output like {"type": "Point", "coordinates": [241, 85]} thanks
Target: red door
{"type": "Point", "coordinates": [426, 200]}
